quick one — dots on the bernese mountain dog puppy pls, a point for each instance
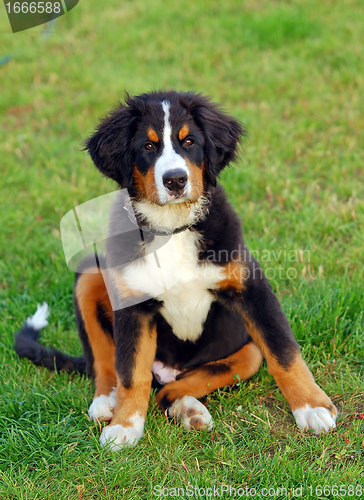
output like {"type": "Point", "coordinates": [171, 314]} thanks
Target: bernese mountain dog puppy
{"type": "Point", "coordinates": [214, 321]}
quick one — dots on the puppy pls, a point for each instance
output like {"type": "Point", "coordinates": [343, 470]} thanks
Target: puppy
{"type": "Point", "coordinates": [179, 299]}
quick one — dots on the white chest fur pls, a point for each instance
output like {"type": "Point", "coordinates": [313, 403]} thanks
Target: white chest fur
{"type": "Point", "coordinates": [181, 282]}
{"type": "Point", "coordinates": [187, 303]}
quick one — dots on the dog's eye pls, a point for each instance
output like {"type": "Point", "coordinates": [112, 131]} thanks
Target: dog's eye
{"type": "Point", "coordinates": [188, 142]}
{"type": "Point", "coordinates": [149, 146]}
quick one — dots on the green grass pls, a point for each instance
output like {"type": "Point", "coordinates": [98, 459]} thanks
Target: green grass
{"type": "Point", "coordinates": [293, 73]}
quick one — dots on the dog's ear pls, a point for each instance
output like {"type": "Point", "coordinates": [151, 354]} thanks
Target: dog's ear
{"type": "Point", "coordinates": [222, 134]}
{"type": "Point", "coordinates": [110, 145]}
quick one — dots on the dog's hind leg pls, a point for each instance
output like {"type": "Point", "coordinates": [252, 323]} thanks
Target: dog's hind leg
{"type": "Point", "coordinates": [180, 397]}
{"type": "Point", "coordinates": [94, 317]}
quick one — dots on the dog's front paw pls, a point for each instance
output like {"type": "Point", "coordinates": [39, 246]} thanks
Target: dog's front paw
{"type": "Point", "coordinates": [115, 437]}
{"type": "Point", "coordinates": [318, 419]}
{"type": "Point", "coordinates": [102, 407]}
{"type": "Point", "coordinates": [192, 413]}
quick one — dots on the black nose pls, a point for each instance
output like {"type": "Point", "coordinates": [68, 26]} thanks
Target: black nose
{"type": "Point", "coordinates": [175, 180]}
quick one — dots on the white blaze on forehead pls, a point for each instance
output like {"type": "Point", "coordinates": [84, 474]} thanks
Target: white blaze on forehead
{"type": "Point", "coordinates": [169, 160]}
{"type": "Point", "coordinates": [167, 131]}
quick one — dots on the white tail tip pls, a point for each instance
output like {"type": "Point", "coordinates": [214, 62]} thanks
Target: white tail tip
{"type": "Point", "coordinates": [39, 319]}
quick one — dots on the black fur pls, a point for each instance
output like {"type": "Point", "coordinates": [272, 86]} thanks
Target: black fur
{"type": "Point", "coordinates": [109, 147]}
{"type": "Point", "coordinates": [87, 351]}
{"type": "Point", "coordinates": [128, 321]}
{"type": "Point", "coordinates": [27, 346]}
{"type": "Point", "coordinates": [262, 307]}
{"type": "Point", "coordinates": [212, 369]}
{"type": "Point", "coordinates": [104, 320]}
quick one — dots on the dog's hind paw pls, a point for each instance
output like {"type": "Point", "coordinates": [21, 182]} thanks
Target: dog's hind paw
{"type": "Point", "coordinates": [102, 407]}
{"type": "Point", "coordinates": [192, 413]}
{"type": "Point", "coordinates": [318, 419]}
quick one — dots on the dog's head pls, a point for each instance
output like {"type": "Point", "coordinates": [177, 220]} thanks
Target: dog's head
{"type": "Point", "coordinates": [166, 147]}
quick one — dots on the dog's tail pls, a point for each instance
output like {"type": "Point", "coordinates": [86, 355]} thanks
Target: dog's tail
{"type": "Point", "coordinates": [27, 346]}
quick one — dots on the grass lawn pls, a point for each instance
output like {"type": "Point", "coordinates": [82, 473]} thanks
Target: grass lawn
{"type": "Point", "coordinates": [293, 72]}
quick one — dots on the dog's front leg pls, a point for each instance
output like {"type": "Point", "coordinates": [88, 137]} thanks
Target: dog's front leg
{"type": "Point", "coordinates": [136, 339]}
{"type": "Point", "coordinates": [270, 330]}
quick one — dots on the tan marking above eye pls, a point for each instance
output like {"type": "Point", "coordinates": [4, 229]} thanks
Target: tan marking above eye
{"type": "Point", "coordinates": [183, 132]}
{"type": "Point", "coordinates": [152, 135]}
